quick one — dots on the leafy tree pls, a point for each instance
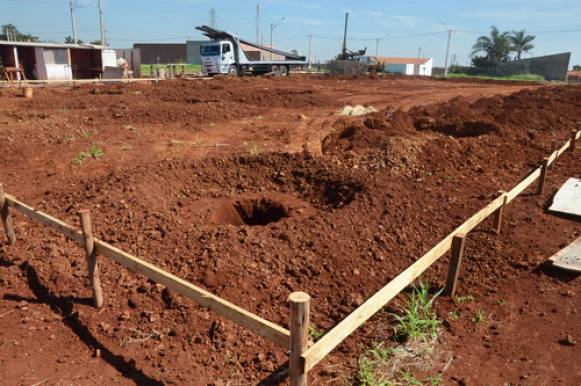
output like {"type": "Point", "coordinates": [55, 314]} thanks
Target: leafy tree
{"type": "Point", "coordinates": [96, 42]}
{"type": "Point", "coordinates": [481, 61]}
{"type": "Point", "coordinates": [12, 31]}
{"type": "Point", "coordinates": [521, 42]}
{"type": "Point", "coordinates": [69, 40]}
{"type": "Point", "coordinates": [496, 46]}
{"type": "Point", "coordinates": [577, 67]}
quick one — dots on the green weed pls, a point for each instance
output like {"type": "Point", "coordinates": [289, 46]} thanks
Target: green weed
{"type": "Point", "coordinates": [479, 317]}
{"type": "Point", "coordinates": [80, 158]}
{"type": "Point", "coordinates": [453, 315]}
{"type": "Point", "coordinates": [95, 152]}
{"type": "Point", "coordinates": [462, 299]}
{"type": "Point", "coordinates": [254, 150]}
{"type": "Point", "coordinates": [316, 333]}
{"type": "Point", "coordinates": [419, 320]}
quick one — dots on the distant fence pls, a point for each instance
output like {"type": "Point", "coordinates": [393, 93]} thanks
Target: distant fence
{"type": "Point", "coordinates": [302, 358]}
{"type": "Point", "coordinates": [551, 67]}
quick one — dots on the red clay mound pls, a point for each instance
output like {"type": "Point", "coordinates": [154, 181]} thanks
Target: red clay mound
{"type": "Point", "coordinates": [514, 116]}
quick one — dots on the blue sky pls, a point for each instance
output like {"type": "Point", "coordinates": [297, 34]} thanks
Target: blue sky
{"type": "Point", "coordinates": [403, 26]}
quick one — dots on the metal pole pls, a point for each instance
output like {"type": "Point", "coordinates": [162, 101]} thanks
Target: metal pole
{"type": "Point", "coordinates": [257, 23]}
{"type": "Point", "coordinates": [419, 58]}
{"type": "Point", "coordinates": [447, 53]}
{"type": "Point", "coordinates": [271, 29]}
{"type": "Point", "coordinates": [73, 22]}
{"type": "Point", "coordinates": [345, 36]}
{"type": "Point", "coordinates": [102, 24]}
{"type": "Point", "coordinates": [309, 62]}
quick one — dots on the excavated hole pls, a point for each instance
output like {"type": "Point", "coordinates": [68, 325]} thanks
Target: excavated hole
{"type": "Point", "coordinates": [261, 211]}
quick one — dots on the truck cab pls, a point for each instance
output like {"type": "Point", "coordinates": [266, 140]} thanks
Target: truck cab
{"type": "Point", "coordinates": [218, 58]}
{"type": "Point", "coordinates": [224, 54]}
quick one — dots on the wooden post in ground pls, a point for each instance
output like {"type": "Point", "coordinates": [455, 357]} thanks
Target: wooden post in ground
{"type": "Point", "coordinates": [458, 242]}
{"type": "Point", "coordinates": [92, 264]}
{"type": "Point", "coordinates": [5, 214]}
{"type": "Point", "coordinates": [543, 178]}
{"type": "Point", "coordinates": [498, 216]}
{"type": "Point", "coordinates": [553, 146]}
{"type": "Point", "coordinates": [299, 307]}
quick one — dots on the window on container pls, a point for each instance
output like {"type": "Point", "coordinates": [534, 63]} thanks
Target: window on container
{"type": "Point", "coordinates": [56, 56]}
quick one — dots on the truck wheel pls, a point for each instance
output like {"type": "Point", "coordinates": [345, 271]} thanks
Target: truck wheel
{"type": "Point", "coordinates": [233, 70]}
{"type": "Point", "coordinates": [283, 71]}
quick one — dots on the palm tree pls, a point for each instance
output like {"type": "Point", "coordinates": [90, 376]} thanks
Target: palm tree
{"type": "Point", "coordinates": [521, 42]}
{"type": "Point", "coordinates": [496, 46]}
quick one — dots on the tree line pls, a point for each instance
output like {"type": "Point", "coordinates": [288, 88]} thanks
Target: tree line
{"type": "Point", "coordinates": [501, 47]}
{"type": "Point", "coordinates": [11, 32]}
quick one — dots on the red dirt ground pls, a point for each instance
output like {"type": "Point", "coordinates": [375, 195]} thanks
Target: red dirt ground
{"type": "Point", "coordinates": [192, 171]}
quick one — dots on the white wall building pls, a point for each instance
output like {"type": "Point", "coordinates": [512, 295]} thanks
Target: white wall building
{"type": "Point", "coordinates": [404, 66]}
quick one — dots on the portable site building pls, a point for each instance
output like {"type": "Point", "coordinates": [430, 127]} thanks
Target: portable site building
{"type": "Point", "coordinates": [404, 66]}
{"type": "Point", "coordinates": [52, 61]}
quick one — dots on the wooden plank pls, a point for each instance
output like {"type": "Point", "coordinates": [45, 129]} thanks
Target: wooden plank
{"type": "Point", "coordinates": [51, 222]}
{"type": "Point", "coordinates": [240, 316]}
{"type": "Point", "coordinates": [260, 326]}
{"type": "Point", "coordinates": [376, 302]}
{"type": "Point", "coordinates": [299, 309]}
{"type": "Point", "coordinates": [523, 185]}
{"type": "Point", "coordinates": [458, 243]}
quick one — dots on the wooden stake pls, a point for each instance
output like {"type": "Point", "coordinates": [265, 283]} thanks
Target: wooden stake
{"type": "Point", "coordinates": [5, 214]}
{"type": "Point", "coordinates": [553, 146]}
{"type": "Point", "coordinates": [543, 178]}
{"type": "Point", "coordinates": [458, 242]}
{"type": "Point", "coordinates": [93, 266]}
{"type": "Point", "coordinates": [498, 216]}
{"type": "Point", "coordinates": [299, 336]}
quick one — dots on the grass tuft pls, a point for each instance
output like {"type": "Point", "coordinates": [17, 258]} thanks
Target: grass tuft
{"type": "Point", "coordinates": [419, 319]}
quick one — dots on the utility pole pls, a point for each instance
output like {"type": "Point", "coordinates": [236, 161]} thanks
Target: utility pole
{"type": "Point", "coordinates": [272, 27]}
{"type": "Point", "coordinates": [309, 62]}
{"type": "Point", "coordinates": [344, 51]}
{"type": "Point", "coordinates": [73, 21]}
{"type": "Point", "coordinates": [418, 61]}
{"type": "Point", "coordinates": [257, 23]}
{"type": "Point", "coordinates": [213, 17]}
{"type": "Point", "coordinates": [447, 53]}
{"type": "Point", "coordinates": [102, 25]}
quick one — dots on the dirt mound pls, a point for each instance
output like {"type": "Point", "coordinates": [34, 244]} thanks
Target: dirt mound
{"type": "Point", "coordinates": [524, 113]}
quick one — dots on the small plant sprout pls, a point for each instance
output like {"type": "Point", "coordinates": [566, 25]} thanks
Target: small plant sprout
{"type": "Point", "coordinates": [254, 150]}
{"type": "Point", "coordinates": [80, 158]}
{"type": "Point", "coordinates": [316, 333]}
{"type": "Point", "coordinates": [501, 302]}
{"type": "Point", "coordinates": [419, 320]}
{"type": "Point", "coordinates": [86, 134]}
{"type": "Point", "coordinates": [463, 299]}
{"type": "Point", "coordinates": [453, 315]}
{"type": "Point", "coordinates": [95, 152]}
{"type": "Point", "coordinates": [479, 317]}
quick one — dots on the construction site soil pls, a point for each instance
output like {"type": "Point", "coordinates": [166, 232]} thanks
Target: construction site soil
{"type": "Point", "coordinates": [255, 188]}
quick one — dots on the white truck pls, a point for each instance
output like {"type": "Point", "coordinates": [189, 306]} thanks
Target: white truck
{"type": "Point", "coordinates": [223, 54]}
